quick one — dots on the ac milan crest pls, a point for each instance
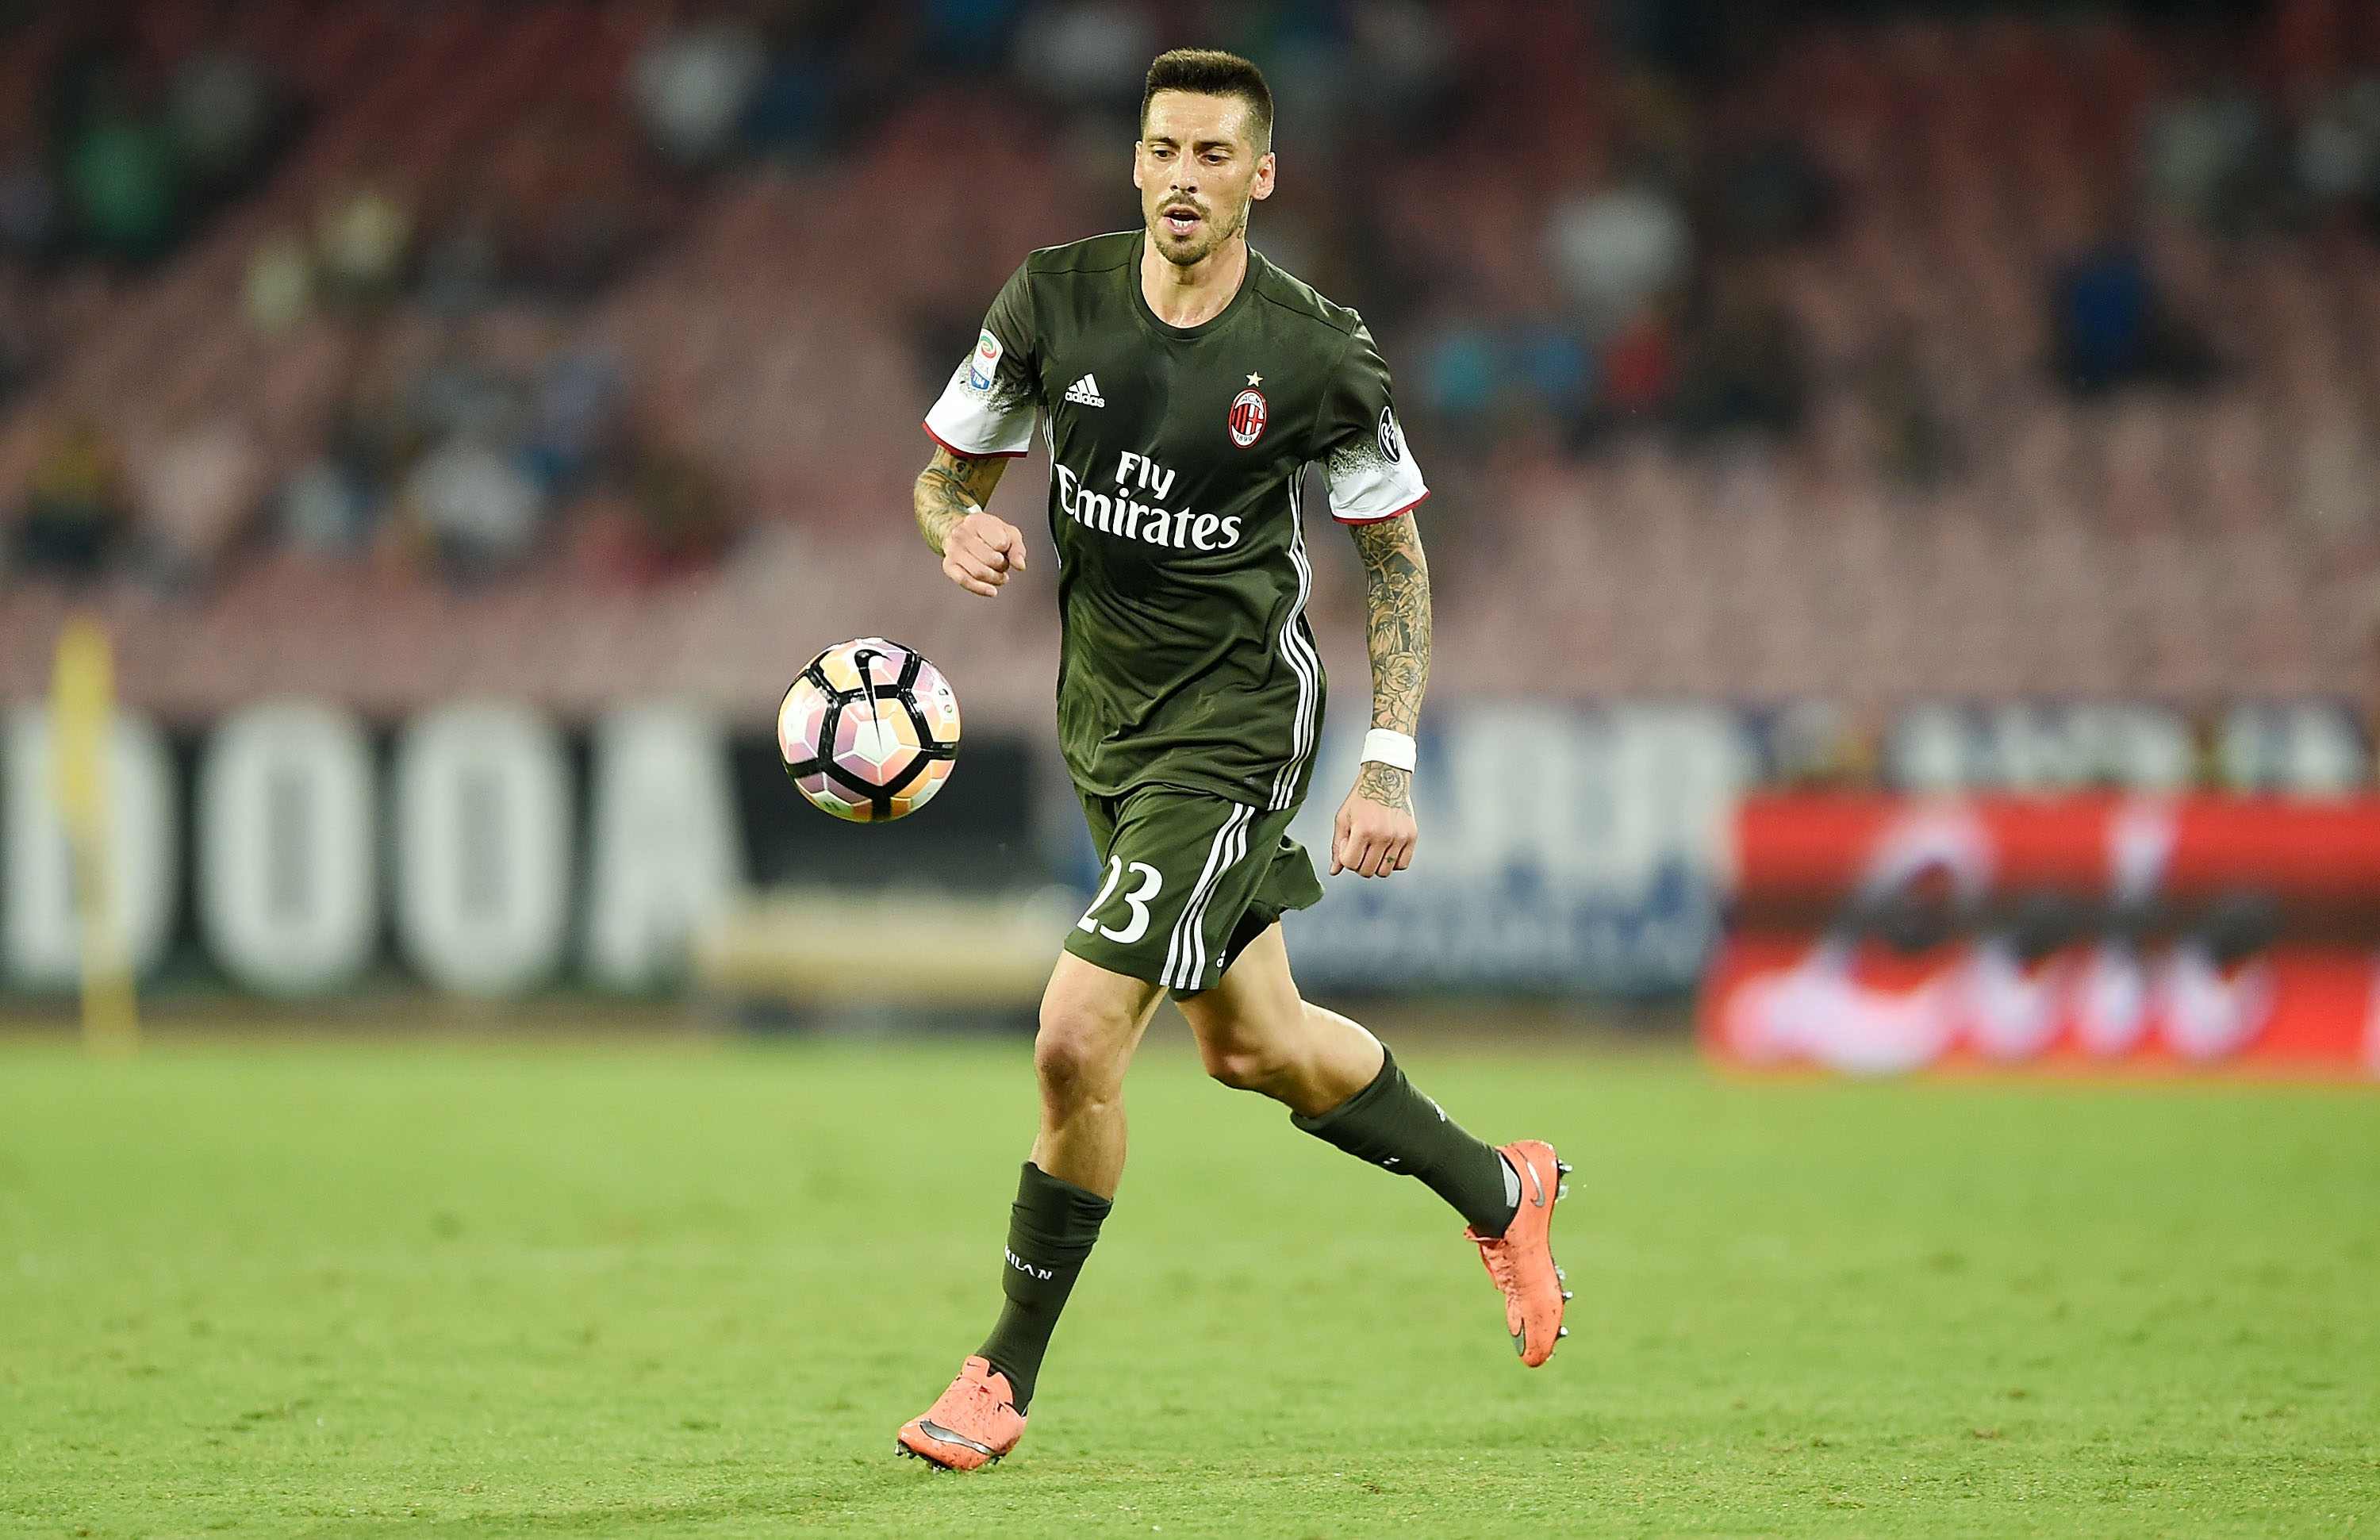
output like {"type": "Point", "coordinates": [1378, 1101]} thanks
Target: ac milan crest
{"type": "Point", "coordinates": [1248, 413]}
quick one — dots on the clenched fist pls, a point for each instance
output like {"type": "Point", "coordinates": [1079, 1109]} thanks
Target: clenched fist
{"type": "Point", "coordinates": [1375, 833]}
{"type": "Point", "coordinates": [981, 550]}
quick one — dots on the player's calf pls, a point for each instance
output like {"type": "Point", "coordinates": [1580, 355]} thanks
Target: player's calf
{"type": "Point", "coordinates": [1257, 1034]}
{"type": "Point", "coordinates": [1398, 1129]}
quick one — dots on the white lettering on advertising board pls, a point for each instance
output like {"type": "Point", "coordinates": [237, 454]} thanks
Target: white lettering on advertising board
{"type": "Point", "coordinates": [667, 853]}
{"type": "Point", "coordinates": [483, 820]}
{"type": "Point", "coordinates": [41, 934]}
{"type": "Point", "coordinates": [288, 896]}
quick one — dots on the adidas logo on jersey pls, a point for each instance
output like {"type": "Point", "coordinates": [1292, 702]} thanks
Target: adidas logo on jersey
{"type": "Point", "coordinates": [1085, 391]}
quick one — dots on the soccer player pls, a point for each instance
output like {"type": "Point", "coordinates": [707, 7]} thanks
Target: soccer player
{"type": "Point", "coordinates": [1184, 383]}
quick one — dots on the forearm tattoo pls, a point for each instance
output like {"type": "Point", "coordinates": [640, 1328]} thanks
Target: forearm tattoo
{"type": "Point", "coordinates": [1396, 607]}
{"type": "Point", "coordinates": [948, 488]}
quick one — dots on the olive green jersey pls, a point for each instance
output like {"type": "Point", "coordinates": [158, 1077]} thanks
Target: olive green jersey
{"type": "Point", "coordinates": [1177, 456]}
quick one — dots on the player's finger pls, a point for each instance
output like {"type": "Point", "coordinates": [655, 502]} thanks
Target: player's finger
{"type": "Point", "coordinates": [1338, 843]}
{"type": "Point", "coordinates": [1010, 542]}
{"type": "Point", "coordinates": [1404, 852]}
{"type": "Point", "coordinates": [986, 539]}
{"type": "Point", "coordinates": [971, 546]}
{"type": "Point", "coordinates": [959, 574]}
{"type": "Point", "coordinates": [982, 571]}
{"type": "Point", "coordinates": [1368, 863]}
{"type": "Point", "coordinates": [1360, 843]}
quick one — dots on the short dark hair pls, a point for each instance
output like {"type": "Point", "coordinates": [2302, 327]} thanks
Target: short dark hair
{"type": "Point", "coordinates": [1212, 72]}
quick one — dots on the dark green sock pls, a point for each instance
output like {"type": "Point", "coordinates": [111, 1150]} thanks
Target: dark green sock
{"type": "Point", "coordinates": [1050, 1231]}
{"type": "Point", "coordinates": [1398, 1129]}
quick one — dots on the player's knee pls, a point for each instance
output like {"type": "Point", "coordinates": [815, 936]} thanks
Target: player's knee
{"type": "Point", "coordinates": [1074, 1059]}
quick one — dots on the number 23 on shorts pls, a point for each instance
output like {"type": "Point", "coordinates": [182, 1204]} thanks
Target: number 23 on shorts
{"type": "Point", "coordinates": [1137, 900]}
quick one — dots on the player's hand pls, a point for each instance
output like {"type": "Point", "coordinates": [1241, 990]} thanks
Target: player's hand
{"type": "Point", "coordinates": [981, 550]}
{"type": "Point", "coordinates": [1376, 833]}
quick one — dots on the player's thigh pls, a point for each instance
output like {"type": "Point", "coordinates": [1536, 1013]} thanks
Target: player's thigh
{"type": "Point", "coordinates": [1254, 1009]}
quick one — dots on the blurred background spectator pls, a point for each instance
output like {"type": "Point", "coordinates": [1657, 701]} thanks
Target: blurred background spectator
{"type": "Point", "coordinates": [74, 514]}
{"type": "Point", "coordinates": [694, 81]}
{"type": "Point", "coordinates": [2111, 327]}
{"type": "Point", "coordinates": [1618, 248]}
{"type": "Point", "coordinates": [198, 483]}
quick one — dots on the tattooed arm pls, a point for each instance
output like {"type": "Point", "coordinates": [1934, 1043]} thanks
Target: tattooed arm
{"type": "Point", "coordinates": [977, 551]}
{"type": "Point", "coordinates": [1376, 832]}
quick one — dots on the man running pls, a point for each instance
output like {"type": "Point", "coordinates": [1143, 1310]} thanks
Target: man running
{"type": "Point", "coordinates": [1184, 383]}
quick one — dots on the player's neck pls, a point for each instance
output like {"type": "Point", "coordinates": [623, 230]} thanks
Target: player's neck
{"type": "Point", "coordinates": [1193, 296]}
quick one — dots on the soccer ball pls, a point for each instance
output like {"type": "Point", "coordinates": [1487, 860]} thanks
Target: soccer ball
{"type": "Point", "coordinates": [868, 730]}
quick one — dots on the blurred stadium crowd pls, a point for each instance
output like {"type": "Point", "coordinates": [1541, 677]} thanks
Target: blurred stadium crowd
{"type": "Point", "coordinates": [385, 351]}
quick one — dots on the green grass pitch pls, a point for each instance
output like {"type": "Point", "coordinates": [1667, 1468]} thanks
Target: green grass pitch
{"type": "Point", "coordinates": [680, 1287]}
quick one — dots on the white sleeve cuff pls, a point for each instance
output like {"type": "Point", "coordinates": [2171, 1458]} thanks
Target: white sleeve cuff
{"type": "Point", "coordinates": [966, 422]}
{"type": "Point", "coordinates": [1371, 488]}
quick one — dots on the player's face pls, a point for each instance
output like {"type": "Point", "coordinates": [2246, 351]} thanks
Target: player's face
{"type": "Point", "coordinates": [1198, 173]}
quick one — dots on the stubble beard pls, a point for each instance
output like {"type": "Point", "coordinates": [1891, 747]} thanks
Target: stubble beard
{"type": "Point", "coordinates": [1191, 256]}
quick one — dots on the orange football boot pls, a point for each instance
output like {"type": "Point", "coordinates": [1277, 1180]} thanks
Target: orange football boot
{"type": "Point", "coordinates": [1521, 1261]}
{"type": "Point", "coordinates": [972, 1426]}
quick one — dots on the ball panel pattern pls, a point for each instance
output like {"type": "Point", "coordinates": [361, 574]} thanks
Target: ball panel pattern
{"type": "Point", "coordinates": [921, 791]}
{"type": "Point", "coordinates": [876, 739]}
{"type": "Point", "coordinates": [868, 730]}
{"type": "Point", "coordinates": [798, 719]}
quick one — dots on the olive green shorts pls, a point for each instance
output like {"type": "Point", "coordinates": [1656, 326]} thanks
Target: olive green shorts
{"type": "Point", "coordinates": [1186, 880]}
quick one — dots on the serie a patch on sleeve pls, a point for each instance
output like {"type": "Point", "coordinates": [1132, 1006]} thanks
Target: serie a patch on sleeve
{"type": "Point", "coordinates": [983, 365]}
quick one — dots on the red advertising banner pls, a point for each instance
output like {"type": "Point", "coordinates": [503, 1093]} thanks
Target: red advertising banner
{"type": "Point", "coordinates": [1877, 935]}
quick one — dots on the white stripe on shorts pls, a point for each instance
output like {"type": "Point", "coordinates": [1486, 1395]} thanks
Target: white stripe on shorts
{"type": "Point", "coordinates": [1178, 947]}
{"type": "Point", "coordinates": [1239, 847]}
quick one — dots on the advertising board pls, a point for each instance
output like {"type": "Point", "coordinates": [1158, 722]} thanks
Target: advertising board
{"type": "Point", "coordinates": [1562, 850]}
{"type": "Point", "coordinates": [2097, 932]}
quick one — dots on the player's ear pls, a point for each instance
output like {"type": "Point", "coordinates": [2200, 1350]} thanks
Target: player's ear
{"type": "Point", "coordinates": [1135, 164]}
{"type": "Point", "coordinates": [1262, 185]}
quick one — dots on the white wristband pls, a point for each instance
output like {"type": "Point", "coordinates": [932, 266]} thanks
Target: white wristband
{"type": "Point", "coordinates": [1390, 748]}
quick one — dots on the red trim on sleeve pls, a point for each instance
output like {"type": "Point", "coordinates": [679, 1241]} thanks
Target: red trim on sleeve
{"type": "Point", "coordinates": [987, 454]}
{"type": "Point", "coordinates": [1382, 518]}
